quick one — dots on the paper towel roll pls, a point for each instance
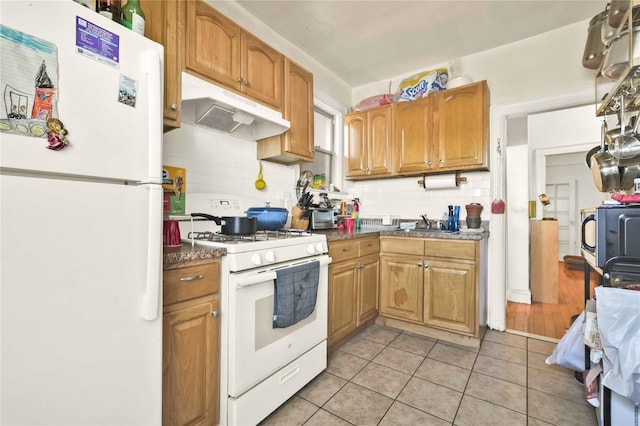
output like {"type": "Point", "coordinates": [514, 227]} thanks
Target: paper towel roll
{"type": "Point", "coordinates": [440, 181]}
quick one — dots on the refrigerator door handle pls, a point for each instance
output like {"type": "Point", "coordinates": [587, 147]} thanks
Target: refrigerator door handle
{"type": "Point", "coordinates": [153, 64]}
{"type": "Point", "coordinates": [151, 299]}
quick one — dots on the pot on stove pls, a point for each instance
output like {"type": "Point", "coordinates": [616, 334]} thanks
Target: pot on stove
{"type": "Point", "coordinates": [232, 225]}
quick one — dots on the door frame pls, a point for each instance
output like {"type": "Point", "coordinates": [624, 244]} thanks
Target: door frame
{"type": "Point", "coordinates": [497, 266]}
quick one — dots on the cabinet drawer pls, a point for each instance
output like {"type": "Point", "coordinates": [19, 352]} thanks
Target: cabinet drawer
{"type": "Point", "coordinates": [344, 250]}
{"type": "Point", "coordinates": [402, 245]}
{"type": "Point", "coordinates": [453, 249]}
{"type": "Point", "coordinates": [188, 283]}
{"type": "Point", "coordinates": [369, 246]}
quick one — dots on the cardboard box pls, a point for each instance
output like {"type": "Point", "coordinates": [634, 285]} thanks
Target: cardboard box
{"type": "Point", "coordinates": [174, 182]}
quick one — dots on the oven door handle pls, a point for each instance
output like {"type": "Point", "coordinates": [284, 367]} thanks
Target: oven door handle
{"type": "Point", "coordinates": [271, 275]}
{"type": "Point", "coordinates": [586, 246]}
{"type": "Point", "coordinates": [256, 279]}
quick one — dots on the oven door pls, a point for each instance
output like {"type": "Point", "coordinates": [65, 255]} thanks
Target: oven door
{"type": "Point", "coordinates": [256, 349]}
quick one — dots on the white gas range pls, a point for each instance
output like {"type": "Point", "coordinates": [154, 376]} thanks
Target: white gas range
{"type": "Point", "coordinates": [262, 365]}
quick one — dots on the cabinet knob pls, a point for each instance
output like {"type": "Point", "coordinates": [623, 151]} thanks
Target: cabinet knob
{"type": "Point", "coordinates": [360, 266]}
{"type": "Point", "coordinates": [420, 264]}
{"type": "Point", "coordinates": [215, 314]}
{"type": "Point", "coordinates": [246, 83]}
{"type": "Point", "coordinates": [239, 79]}
{"type": "Point", "coordinates": [426, 265]}
{"type": "Point", "coordinates": [430, 163]}
{"type": "Point", "coordinates": [174, 107]}
{"type": "Point", "coordinates": [441, 161]}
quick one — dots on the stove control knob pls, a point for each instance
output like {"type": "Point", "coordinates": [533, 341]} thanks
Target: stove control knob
{"type": "Point", "coordinates": [311, 249]}
{"type": "Point", "coordinates": [270, 256]}
{"type": "Point", "coordinates": [319, 247]}
{"type": "Point", "coordinates": [255, 259]}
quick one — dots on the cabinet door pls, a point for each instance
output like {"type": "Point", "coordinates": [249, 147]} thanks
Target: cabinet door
{"type": "Point", "coordinates": [343, 297]}
{"type": "Point", "coordinates": [450, 296]}
{"type": "Point", "coordinates": [261, 71]}
{"type": "Point", "coordinates": [165, 25]}
{"type": "Point", "coordinates": [413, 136]}
{"type": "Point", "coordinates": [462, 126]}
{"type": "Point", "coordinates": [190, 366]}
{"type": "Point", "coordinates": [212, 44]}
{"type": "Point", "coordinates": [380, 127]}
{"type": "Point", "coordinates": [355, 129]}
{"type": "Point", "coordinates": [401, 289]}
{"type": "Point", "coordinates": [368, 270]}
{"type": "Point", "coordinates": [298, 109]}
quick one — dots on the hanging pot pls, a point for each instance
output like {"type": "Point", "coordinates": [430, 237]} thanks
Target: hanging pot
{"type": "Point", "coordinates": [232, 225]}
{"type": "Point", "coordinates": [616, 12]}
{"type": "Point", "coordinates": [595, 49]}
{"type": "Point", "coordinates": [604, 168]}
{"type": "Point", "coordinates": [627, 175]}
{"type": "Point", "coordinates": [590, 153]}
{"type": "Point", "coordinates": [617, 57]}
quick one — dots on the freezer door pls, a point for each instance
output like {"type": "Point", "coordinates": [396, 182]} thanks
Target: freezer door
{"type": "Point", "coordinates": [107, 138]}
{"type": "Point", "coordinates": [78, 347]}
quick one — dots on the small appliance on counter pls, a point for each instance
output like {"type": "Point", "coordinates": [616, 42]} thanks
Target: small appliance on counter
{"type": "Point", "coordinates": [323, 219]}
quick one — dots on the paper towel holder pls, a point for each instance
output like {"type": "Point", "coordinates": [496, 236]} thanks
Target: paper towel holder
{"type": "Point", "coordinates": [458, 179]}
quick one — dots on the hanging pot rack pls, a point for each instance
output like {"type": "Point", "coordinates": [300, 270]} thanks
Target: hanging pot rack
{"type": "Point", "coordinates": [610, 93]}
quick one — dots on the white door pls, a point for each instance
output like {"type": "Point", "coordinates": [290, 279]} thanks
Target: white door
{"type": "Point", "coordinates": [562, 194]}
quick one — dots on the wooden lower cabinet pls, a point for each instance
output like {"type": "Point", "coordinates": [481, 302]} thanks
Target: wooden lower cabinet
{"type": "Point", "coordinates": [449, 295]}
{"type": "Point", "coordinates": [353, 286]}
{"type": "Point", "coordinates": [430, 282]}
{"type": "Point", "coordinates": [401, 291]}
{"type": "Point", "coordinates": [191, 346]}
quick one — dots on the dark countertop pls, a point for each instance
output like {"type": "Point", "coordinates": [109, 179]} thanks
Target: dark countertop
{"type": "Point", "coordinates": [339, 234]}
{"type": "Point", "coordinates": [185, 255]}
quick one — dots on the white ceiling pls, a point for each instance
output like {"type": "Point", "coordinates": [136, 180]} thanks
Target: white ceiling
{"type": "Point", "coordinates": [370, 40]}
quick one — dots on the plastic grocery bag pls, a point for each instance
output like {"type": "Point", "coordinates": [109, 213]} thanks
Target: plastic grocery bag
{"type": "Point", "coordinates": [619, 324]}
{"type": "Point", "coordinates": [569, 352]}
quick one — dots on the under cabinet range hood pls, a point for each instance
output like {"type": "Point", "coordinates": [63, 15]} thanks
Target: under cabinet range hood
{"type": "Point", "coordinates": [208, 105]}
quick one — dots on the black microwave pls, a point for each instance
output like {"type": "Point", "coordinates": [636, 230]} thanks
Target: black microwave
{"type": "Point", "coordinates": [611, 230]}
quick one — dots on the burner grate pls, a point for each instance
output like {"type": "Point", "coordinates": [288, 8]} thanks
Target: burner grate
{"type": "Point", "coordinates": [237, 239]}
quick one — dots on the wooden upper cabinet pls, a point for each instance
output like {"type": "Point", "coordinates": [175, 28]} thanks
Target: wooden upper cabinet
{"type": "Point", "coordinates": [369, 135]}
{"type": "Point", "coordinates": [461, 126]}
{"type": "Point", "coordinates": [165, 25]}
{"type": "Point", "coordinates": [261, 71]}
{"type": "Point", "coordinates": [213, 44]}
{"type": "Point", "coordinates": [355, 126]}
{"type": "Point", "coordinates": [413, 136]}
{"type": "Point", "coordinates": [297, 143]}
{"type": "Point", "coordinates": [220, 50]}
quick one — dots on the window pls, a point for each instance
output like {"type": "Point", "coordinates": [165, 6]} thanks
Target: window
{"type": "Point", "coordinates": [325, 159]}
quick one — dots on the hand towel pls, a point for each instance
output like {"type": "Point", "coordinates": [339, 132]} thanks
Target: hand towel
{"type": "Point", "coordinates": [296, 291]}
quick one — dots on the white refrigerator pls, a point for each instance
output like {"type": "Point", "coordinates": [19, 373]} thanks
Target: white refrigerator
{"type": "Point", "coordinates": [80, 227]}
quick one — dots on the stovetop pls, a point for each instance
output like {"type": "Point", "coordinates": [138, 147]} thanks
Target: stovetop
{"type": "Point", "coordinates": [243, 239]}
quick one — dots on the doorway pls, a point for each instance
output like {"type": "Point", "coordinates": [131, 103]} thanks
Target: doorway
{"type": "Point", "coordinates": [498, 261]}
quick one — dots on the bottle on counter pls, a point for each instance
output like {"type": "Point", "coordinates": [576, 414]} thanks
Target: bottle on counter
{"type": "Point", "coordinates": [133, 16]}
{"type": "Point", "coordinates": [110, 9]}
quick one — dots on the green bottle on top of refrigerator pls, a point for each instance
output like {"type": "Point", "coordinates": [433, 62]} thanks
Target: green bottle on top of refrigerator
{"type": "Point", "coordinates": [133, 16]}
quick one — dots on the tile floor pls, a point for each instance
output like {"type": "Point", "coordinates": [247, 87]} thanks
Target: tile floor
{"type": "Point", "coordinates": [387, 377]}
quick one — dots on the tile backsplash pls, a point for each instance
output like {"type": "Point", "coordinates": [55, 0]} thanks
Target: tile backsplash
{"type": "Point", "coordinates": [405, 198]}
